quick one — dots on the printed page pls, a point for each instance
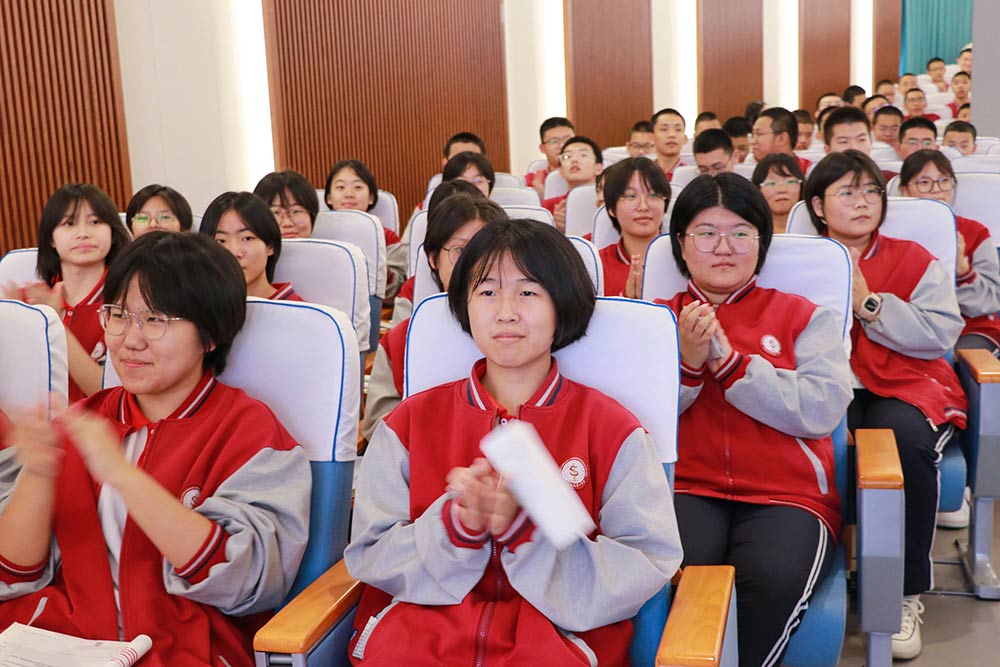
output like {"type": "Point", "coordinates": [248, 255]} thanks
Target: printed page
{"type": "Point", "coordinates": [23, 646]}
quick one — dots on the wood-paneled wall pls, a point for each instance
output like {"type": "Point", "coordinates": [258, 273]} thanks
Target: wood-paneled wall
{"type": "Point", "coordinates": [824, 49]}
{"type": "Point", "coordinates": [730, 56]}
{"type": "Point", "coordinates": [62, 118]}
{"type": "Point", "coordinates": [386, 82]}
{"type": "Point", "coordinates": [888, 32]}
{"type": "Point", "coordinates": [609, 67]}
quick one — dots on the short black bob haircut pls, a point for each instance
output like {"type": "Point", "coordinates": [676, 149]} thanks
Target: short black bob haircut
{"type": "Point", "coordinates": [831, 169]}
{"type": "Point", "coordinates": [464, 138]}
{"type": "Point", "coordinates": [189, 276]}
{"type": "Point", "coordinates": [916, 162]}
{"type": "Point", "coordinates": [362, 171]}
{"type": "Point", "coordinates": [733, 193]}
{"type": "Point", "coordinates": [783, 163]}
{"type": "Point", "coordinates": [449, 216]}
{"type": "Point", "coordinates": [545, 256]}
{"type": "Point", "coordinates": [289, 186]}
{"type": "Point", "coordinates": [63, 203]}
{"type": "Point", "coordinates": [178, 205]}
{"type": "Point", "coordinates": [618, 175]}
{"type": "Point", "coordinates": [711, 140]}
{"type": "Point", "coordinates": [457, 165]}
{"type": "Point", "coordinates": [446, 189]}
{"type": "Point", "coordinates": [587, 141]}
{"type": "Point", "coordinates": [254, 213]}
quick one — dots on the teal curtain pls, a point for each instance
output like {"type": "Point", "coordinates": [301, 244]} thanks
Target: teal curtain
{"type": "Point", "coordinates": [933, 28]}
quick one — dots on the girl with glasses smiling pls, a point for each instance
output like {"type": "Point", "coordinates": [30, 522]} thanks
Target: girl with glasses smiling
{"type": "Point", "coordinates": [906, 320]}
{"type": "Point", "coordinates": [168, 506]}
{"type": "Point", "coordinates": [929, 174]}
{"type": "Point", "coordinates": [764, 381]}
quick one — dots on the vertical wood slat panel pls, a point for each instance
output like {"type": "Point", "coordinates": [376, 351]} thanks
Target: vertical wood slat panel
{"type": "Point", "coordinates": [888, 34]}
{"type": "Point", "coordinates": [386, 82]}
{"type": "Point", "coordinates": [62, 114]}
{"type": "Point", "coordinates": [609, 67]}
{"type": "Point", "coordinates": [824, 49]}
{"type": "Point", "coordinates": [730, 55]}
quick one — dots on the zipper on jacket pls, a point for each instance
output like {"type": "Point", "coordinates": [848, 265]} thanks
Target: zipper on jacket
{"type": "Point", "coordinates": [146, 455]}
{"type": "Point", "coordinates": [486, 618]}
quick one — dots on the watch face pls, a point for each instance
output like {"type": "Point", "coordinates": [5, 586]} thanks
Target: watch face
{"type": "Point", "coordinates": [870, 304]}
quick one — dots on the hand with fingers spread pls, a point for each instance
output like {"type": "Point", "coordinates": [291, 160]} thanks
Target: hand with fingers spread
{"type": "Point", "coordinates": [696, 325]}
{"type": "Point", "coordinates": [98, 446]}
{"type": "Point", "coordinates": [37, 442]}
{"type": "Point", "coordinates": [633, 284]}
{"type": "Point", "coordinates": [40, 294]}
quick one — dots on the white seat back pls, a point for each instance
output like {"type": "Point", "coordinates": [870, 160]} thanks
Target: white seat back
{"type": "Point", "coordinates": [684, 174]}
{"type": "Point", "coordinates": [507, 180]}
{"type": "Point", "coordinates": [386, 209]}
{"type": "Point", "coordinates": [925, 221]}
{"type": "Point", "coordinates": [941, 123]}
{"type": "Point", "coordinates": [976, 163]}
{"type": "Point", "coordinates": [555, 185]}
{"type": "Point", "coordinates": [613, 154]}
{"type": "Point", "coordinates": [892, 187]}
{"type": "Point", "coordinates": [745, 169]}
{"type": "Point", "coordinates": [976, 198]}
{"type": "Point", "coordinates": [581, 205]}
{"type": "Point", "coordinates": [643, 375]}
{"type": "Point", "coordinates": [506, 196]}
{"type": "Point", "coordinates": [531, 213]}
{"type": "Point", "coordinates": [363, 230]}
{"type": "Point", "coordinates": [889, 165]}
{"type": "Point", "coordinates": [994, 150]}
{"type": "Point", "coordinates": [605, 234]}
{"type": "Point", "coordinates": [940, 99]}
{"type": "Point", "coordinates": [18, 267]}
{"type": "Point", "coordinates": [195, 223]}
{"type": "Point", "coordinates": [33, 359]}
{"type": "Point", "coordinates": [984, 144]}
{"type": "Point", "coordinates": [537, 165]}
{"type": "Point", "coordinates": [302, 360]}
{"type": "Point", "coordinates": [417, 230]}
{"type": "Point", "coordinates": [330, 273]}
{"type": "Point", "coordinates": [814, 267]}
{"type": "Point", "coordinates": [883, 153]}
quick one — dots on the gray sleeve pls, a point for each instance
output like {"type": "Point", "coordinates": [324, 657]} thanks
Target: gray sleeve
{"type": "Point", "coordinates": [397, 263]}
{"type": "Point", "coordinates": [688, 395]}
{"type": "Point", "coordinates": [9, 470]}
{"type": "Point", "coordinates": [809, 400]}
{"type": "Point", "coordinates": [264, 508]}
{"type": "Point", "coordinates": [414, 561]}
{"type": "Point", "coordinates": [926, 326]}
{"type": "Point", "coordinates": [604, 580]}
{"type": "Point", "coordinates": [382, 396]}
{"type": "Point", "coordinates": [981, 295]}
{"type": "Point", "coordinates": [401, 309]}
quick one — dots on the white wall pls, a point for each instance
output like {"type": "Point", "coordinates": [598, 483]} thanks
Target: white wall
{"type": "Point", "coordinates": [194, 79]}
{"type": "Point", "coordinates": [675, 57]}
{"type": "Point", "coordinates": [536, 73]}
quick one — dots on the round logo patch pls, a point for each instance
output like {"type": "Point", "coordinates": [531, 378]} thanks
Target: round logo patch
{"type": "Point", "coordinates": [771, 345]}
{"type": "Point", "coordinates": [574, 471]}
{"type": "Point", "coordinates": [191, 496]}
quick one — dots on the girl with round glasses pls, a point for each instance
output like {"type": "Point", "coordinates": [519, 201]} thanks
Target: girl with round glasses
{"type": "Point", "coordinates": [450, 227]}
{"type": "Point", "coordinates": [158, 207]}
{"type": "Point", "coordinates": [78, 237]}
{"type": "Point", "coordinates": [636, 194]}
{"type": "Point", "coordinates": [764, 381]}
{"type": "Point", "coordinates": [779, 178]}
{"type": "Point", "coordinates": [172, 506]}
{"type": "Point", "coordinates": [906, 318]}
{"type": "Point", "coordinates": [929, 174]}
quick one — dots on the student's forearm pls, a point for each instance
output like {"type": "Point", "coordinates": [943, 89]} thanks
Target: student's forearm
{"type": "Point", "coordinates": [176, 531]}
{"type": "Point", "coordinates": [86, 373]}
{"type": "Point", "coordinates": [26, 522]}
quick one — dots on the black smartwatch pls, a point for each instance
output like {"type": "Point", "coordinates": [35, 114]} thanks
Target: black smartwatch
{"type": "Point", "coordinates": [871, 306]}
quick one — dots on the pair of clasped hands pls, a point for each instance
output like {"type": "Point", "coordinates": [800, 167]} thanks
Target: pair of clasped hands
{"type": "Point", "coordinates": [484, 500]}
{"type": "Point", "coordinates": [39, 443]}
{"type": "Point", "coordinates": [697, 324]}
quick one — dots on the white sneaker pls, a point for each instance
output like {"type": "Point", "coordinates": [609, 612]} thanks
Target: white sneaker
{"type": "Point", "coordinates": [957, 519]}
{"type": "Point", "coordinates": [906, 643]}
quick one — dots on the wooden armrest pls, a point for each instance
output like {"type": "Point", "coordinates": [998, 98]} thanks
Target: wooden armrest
{"type": "Point", "coordinates": [878, 459]}
{"type": "Point", "coordinates": [306, 618]}
{"type": "Point", "coordinates": [697, 622]}
{"type": "Point", "coordinates": [985, 368]}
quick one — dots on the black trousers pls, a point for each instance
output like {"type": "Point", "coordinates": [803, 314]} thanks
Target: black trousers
{"type": "Point", "coordinates": [919, 443]}
{"type": "Point", "coordinates": [780, 553]}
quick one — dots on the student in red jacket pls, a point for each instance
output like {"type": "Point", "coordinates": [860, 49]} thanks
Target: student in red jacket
{"type": "Point", "coordinates": [636, 193]}
{"type": "Point", "coordinates": [754, 478]}
{"type": "Point", "coordinates": [450, 227]}
{"type": "Point", "coordinates": [243, 224]}
{"type": "Point", "coordinates": [78, 237]}
{"type": "Point", "coordinates": [456, 572]}
{"type": "Point", "coordinates": [906, 318]}
{"type": "Point", "coordinates": [172, 506]}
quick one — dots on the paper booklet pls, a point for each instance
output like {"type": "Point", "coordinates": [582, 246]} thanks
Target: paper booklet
{"type": "Point", "coordinates": [25, 646]}
{"type": "Point", "coordinates": [517, 452]}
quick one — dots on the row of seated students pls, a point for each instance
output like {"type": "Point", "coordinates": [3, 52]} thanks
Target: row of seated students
{"type": "Point", "coordinates": [715, 217]}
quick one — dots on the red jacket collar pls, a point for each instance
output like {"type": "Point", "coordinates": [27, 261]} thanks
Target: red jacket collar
{"type": "Point", "coordinates": [131, 416]}
{"type": "Point", "coordinates": [747, 287]}
{"type": "Point", "coordinates": [545, 395]}
{"type": "Point", "coordinates": [96, 295]}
